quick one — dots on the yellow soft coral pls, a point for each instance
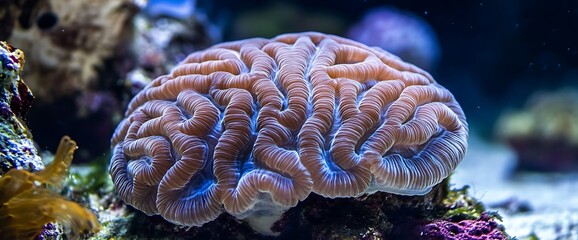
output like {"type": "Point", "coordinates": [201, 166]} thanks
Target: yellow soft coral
{"type": "Point", "coordinates": [30, 200]}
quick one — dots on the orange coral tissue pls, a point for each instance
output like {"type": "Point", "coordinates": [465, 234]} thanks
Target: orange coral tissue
{"type": "Point", "coordinates": [30, 200]}
{"type": "Point", "coordinates": [255, 126]}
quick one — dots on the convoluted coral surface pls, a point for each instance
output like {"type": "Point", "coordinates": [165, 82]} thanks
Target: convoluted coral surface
{"type": "Point", "coordinates": [254, 126]}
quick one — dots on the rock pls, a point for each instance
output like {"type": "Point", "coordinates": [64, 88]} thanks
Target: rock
{"type": "Point", "coordinates": [544, 134]}
{"type": "Point", "coordinates": [16, 147]}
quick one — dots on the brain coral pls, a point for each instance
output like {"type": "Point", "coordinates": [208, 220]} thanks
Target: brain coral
{"type": "Point", "coordinates": [253, 126]}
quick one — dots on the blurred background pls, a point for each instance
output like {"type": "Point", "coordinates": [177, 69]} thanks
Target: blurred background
{"type": "Point", "coordinates": [512, 65]}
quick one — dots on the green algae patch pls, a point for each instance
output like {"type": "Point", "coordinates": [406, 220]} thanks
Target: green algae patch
{"type": "Point", "coordinates": [463, 206]}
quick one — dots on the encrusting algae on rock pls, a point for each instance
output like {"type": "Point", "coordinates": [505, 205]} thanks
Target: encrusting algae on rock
{"type": "Point", "coordinates": [31, 200]}
{"type": "Point", "coordinates": [16, 146]}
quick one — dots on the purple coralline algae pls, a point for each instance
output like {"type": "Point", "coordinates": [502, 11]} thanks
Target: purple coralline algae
{"type": "Point", "coordinates": [480, 229]}
{"type": "Point", "coordinates": [16, 147]}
